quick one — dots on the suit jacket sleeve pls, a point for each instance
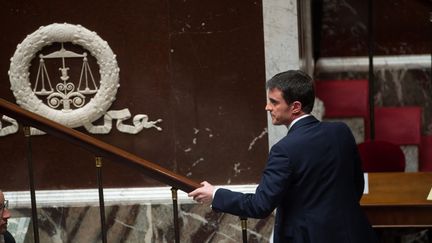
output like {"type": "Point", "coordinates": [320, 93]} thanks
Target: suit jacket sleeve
{"type": "Point", "coordinates": [274, 181]}
{"type": "Point", "coordinates": [357, 164]}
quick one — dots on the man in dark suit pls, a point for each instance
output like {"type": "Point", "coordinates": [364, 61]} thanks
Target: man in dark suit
{"type": "Point", "coordinates": [5, 236]}
{"type": "Point", "coordinates": [313, 175]}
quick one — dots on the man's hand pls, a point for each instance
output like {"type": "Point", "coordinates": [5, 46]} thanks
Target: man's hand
{"type": "Point", "coordinates": [203, 194]}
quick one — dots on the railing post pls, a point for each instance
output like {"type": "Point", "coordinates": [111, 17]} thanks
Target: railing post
{"type": "Point", "coordinates": [175, 212]}
{"type": "Point", "coordinates": [101, 198]}
{"type": "Point", "coordinates": [31, 184]}
{"type": "Point", "coordinates": [244, 228]}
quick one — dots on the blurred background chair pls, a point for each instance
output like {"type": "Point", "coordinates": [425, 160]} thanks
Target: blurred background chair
{"type": "Point", "coordinates": [399, 125]}
{"type": "Point", "coordinates": [381, 156]}
{"type": "Point", "coordinates": [345, 99]}
{"type": "Point", "coordinates": [425, 163]}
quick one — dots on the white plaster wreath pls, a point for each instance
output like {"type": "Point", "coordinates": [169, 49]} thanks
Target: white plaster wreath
{"type": "Point", "coordinates": [46, 35]}
{"type": "Point", "coordinates": [96, 107]}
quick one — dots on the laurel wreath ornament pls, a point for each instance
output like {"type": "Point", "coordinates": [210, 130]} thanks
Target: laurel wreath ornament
{"type": "Point", "coordinates": [98, 106]}
{"type": "Point", "coordinates": [77, 34]}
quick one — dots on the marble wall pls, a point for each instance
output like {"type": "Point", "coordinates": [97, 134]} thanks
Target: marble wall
{"type": "Point", "coordinates": [190, 63]}
{"type": "Point", "coordinates": [142, 223]}
{"type": "Point", "coordinates": [201, 67]}
{"type": "Point", "coordinates": [401, 31]}
{"type": "Point", "coordinates": [400, 37]}
{"type": "Point", "coordinates": [132, 215]}
{"type": "Point", "coordinates": [198, 66]}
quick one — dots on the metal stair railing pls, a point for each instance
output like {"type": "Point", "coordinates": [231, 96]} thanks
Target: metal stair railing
{"type": "Point", "coordinates": [101, 150]}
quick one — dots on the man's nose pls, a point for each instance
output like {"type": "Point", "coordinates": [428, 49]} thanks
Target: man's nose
{"type": "Point", "coordinates": [268, 107]}
{"type": "Point", "coordinates": [6, 214]}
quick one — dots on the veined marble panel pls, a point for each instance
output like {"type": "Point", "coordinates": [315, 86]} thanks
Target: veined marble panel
{"type": "Point", "coordinates": [143, 223]}
{"type": "Point", "coordinates": [112, 196]}
{"type": "Point", "coordinates": [132, 215]}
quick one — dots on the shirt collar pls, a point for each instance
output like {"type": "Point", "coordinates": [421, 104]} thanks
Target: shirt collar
{"type": "Point", "coordinates": [297, 119]}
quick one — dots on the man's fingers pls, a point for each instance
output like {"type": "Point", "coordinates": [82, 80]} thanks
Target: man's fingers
{"type": "Point", "coordinates": [201, 194]}
{"type": "Point", "coordinates": [196, 195]}
{"type": "Point", "coordinates": [194, 192]}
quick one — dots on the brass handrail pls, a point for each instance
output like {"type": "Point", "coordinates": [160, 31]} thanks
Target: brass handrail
{"type": "Point", "coordinates": [97, 147]}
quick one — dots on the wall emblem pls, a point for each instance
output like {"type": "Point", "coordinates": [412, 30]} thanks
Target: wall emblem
{"type": "Point", "coordinates": [54, 95]}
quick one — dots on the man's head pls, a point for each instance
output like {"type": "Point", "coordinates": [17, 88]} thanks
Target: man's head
{"type": "Point", "coordinates": [291, 94]}
{"type": "Point", "coordinates": [5, 214]}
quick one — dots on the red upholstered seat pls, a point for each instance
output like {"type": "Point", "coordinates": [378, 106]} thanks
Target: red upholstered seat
{"type": "Point", "coordinates": [345, 98]}
{"type": "Point", "coordinates": [399, 125]}
{"type": "Point", "coordinates": [425, 154]}
{"type": "Point", "coordinates": [381, 156]}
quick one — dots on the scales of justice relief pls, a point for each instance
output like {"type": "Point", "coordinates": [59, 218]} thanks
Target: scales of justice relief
{"type": "Point", "coordinates": [69, 104]}
{"type": "Point", "coordinates": [65, 94]}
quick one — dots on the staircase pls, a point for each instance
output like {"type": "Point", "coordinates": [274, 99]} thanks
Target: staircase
{"type": "Point", "coordinates": [348, 101]}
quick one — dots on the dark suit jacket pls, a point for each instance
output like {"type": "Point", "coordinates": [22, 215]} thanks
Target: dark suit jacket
{"type": "Point", "coordinates": [314, 178]}
{"type": "Point", "coordinates": [8, 238]}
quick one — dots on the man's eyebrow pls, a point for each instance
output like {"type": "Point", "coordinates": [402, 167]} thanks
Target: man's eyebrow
{"type": "Point", "coordinates": [272, 100]}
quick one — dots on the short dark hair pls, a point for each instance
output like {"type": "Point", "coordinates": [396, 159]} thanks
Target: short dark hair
{"type": "Point", "coordinates": [295, 85]}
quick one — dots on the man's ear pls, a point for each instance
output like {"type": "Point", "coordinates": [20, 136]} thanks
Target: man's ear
{"type": "Point", "coordinates": [297, 107]}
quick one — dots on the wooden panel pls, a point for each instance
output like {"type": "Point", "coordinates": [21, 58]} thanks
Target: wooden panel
{"type": "Point", "coordinates": [197, 65]}
{"type": "Point", "coordinates": [398, 199]}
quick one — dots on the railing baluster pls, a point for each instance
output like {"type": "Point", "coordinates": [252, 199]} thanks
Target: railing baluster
{"type": "Point", "coordinates": [31, 185]}
{"type": "Point", "coordinates": [101, 198]}
{"type": "Point", "coordinates": [175, 212]}
{"type": "Point", "coordinates": [244, 228]}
